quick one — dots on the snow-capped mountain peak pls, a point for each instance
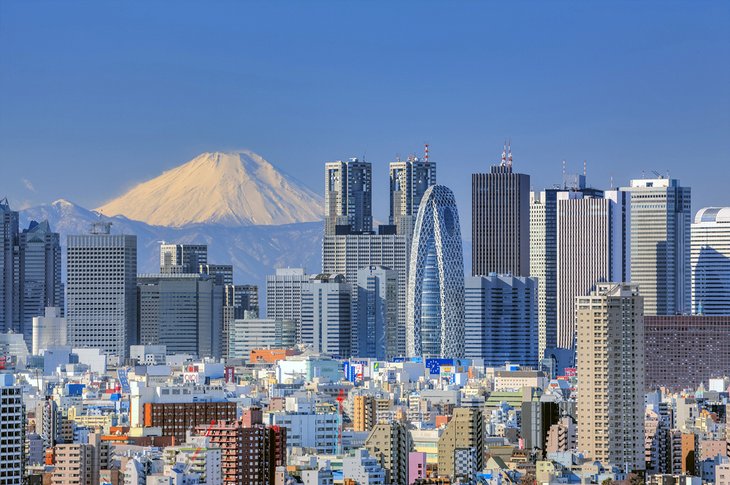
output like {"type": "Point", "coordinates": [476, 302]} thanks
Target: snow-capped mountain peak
{"type": "Point", "coordinates": [228, 188]}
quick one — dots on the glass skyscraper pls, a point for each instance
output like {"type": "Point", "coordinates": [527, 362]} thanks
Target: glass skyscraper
{"type": "Point", "coordinates": [435, 309]}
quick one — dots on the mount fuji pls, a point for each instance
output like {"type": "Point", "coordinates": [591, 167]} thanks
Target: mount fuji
{"type": "Point", "coordinates": [248, 213]}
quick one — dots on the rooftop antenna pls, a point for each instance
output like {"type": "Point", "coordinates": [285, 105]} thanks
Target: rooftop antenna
{"type": "Point", "coordinates": [564, 181]}
{"type": "Point", "coordinates": [585, 168]}
{"type": "Point", "coordinates": [509, 156]}
{"type": "Point", "coordinates": [425, 152]}
{"type": "Point", "coordinates": [611, 183]}
{"type": "Point", "coordinates": [504, 154]}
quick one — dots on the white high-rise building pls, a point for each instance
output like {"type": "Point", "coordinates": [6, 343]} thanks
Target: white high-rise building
{"type": "Point", "coordinates": [435, 308]}
{"type": "Point", "coordinates": [49, 330]}
{"type": "Point", "coordinates": [327, 315]}
{"type": "Point", "coordinates": [349, 254]}
{"type": "Point", "coordinates": [101, 291]}
{"type": "Point", "coordinates": [12, 424]}
{"type": "Point", "coordinates": [284, 296]}
{"type": "Point", "coordinates": [710, 259]}
{"type": "Point", "coordinates": [610, 357]}
{"type": "Point", "coordinates": [591, 248]}
{"type": "Point", "coordinates": [348, 199]}
{"type": "Point", "coordinates": [660, 244]}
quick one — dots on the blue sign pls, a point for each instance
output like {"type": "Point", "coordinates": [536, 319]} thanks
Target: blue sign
{"type": "Point", "coordinates": [123, 376]}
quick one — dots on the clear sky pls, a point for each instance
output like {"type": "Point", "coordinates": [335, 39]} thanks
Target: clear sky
{"type": "Point", "coordinates": [97, 96]}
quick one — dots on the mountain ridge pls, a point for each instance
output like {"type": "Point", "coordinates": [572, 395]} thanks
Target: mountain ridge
{"type": "Point", "coordinates": [229, 188]}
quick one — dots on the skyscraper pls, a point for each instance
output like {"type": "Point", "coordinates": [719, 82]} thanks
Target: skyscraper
{"type": "Point", "coordinates": [543, 253]}
{"type": "Point", "coordinates": [182, 258]}
{"type": "Point", "coordinates": [9, 269]}
{"type": "Point", "coordinates": [40, 273]}
{"type": "Point", "coordinates": [12, 423]}
{"type": "Point", "coordinates": [182, 311]}
{"type": "Point", "coordinates": [284, 296]}
{"type": "Point", "coordinates": [408, 182]}
{"type": "Point", "coordinates": [501, 320]}
{"type": "Point", "coordinates": [101, 288]}
{"type": "Point", "coordinates": [377, 312]}
{"type": "Point", "coordinates": [710, 261]}
{"type": "Point", "coordinates": [610, 354]}
{"type": "Point", "coordinates": [435, 308]}
{"type": "Point", "coordinates": [591, 248]}
{"type": "Point", "coordinates": [500, 224]}
{"type": "Point", "coordinates": [327, 315]}
{"type": "Point", "coordinates": [349, 254]}
{"type": "Point", "coordinates": [348, 197]}
{"type": "Point", "coordinates": [660, 244]}
{"type": "Point", "coordinates": [245, 299]}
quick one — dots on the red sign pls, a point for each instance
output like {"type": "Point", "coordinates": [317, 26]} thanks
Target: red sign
{"type": "Point", "coordinates": [230, 374]}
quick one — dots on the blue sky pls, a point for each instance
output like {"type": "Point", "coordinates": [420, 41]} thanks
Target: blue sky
{"type": "Point", "coordinates": [97, 96]}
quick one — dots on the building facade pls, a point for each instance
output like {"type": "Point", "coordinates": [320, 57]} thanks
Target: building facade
{"type": "Point", "coordinates": [12, 423]}
{"type": "Point", "coordinates": [327, 315]}
{"type": "Point", "coordinates": [683, 351]}
{"type": "Point", "coordinates": [435, 308]}
{"type": "Point", "coordinates": [610, 354]}
{"type": "Point", "coordinates": [500, 320]}
{"type": "Point", "coordinates": [390, 443]}
{"type": "Point", "coordinates": [348, 197]}
{"type": "Point", "coordinates": [247, 334]}
{"type": "Point", "coordinates": [183, 311]}
{"type": "Point", "coordinates": [500, 220]}
{"type": "Point", "coordinates": [409, 180]}
{"type": "Point", "coordinates": [591, 248]}
{"type": "Point", "coordinates": [465, 431]}
{"type": "Point", "coordinates": [101, 290]}
{"type": "Point", "coordinates": [710, 261]}
{"type": "Point", "coordinates": [660, 244]}
{"type": "Point", "coordinates": [182, 258]}
{"type": "Point", "coordinates": [284, 296]}
{"type": "Point", "coordinates": [377, 313]}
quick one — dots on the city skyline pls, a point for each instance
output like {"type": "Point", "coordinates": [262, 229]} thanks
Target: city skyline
{"type": "Point", "coordinates": [566, 88]}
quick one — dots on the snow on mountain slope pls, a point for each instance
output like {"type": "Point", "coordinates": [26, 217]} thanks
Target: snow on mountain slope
{"type": "Point", "coordinates": [254, 251]}
{"type": "Point", "coordinates": [232, 189]}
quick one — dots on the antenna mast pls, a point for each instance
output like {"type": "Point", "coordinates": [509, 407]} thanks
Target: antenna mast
{"type": "Point", "coordinates": [425, 153]}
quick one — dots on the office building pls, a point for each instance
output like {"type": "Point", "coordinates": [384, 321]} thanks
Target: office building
{"type": "Point", "coordinates": [543, 253]}
{"type": "Point", "coordinates": [248, 334]}
{"type": "Point", "coordinates": [9, 269]}
{"type": "Point", "coordinates": [390, 443]}
{"type": "Point", "coordinates": [349, 254]}
{"type": "Point", "coordinates": [348, 197]}
{"type": "Point", "coordinates": [683, 351]}
{"type": "Point", "coordinates": [183, 312]}
{"type": "Point", "coordinates": [284, 296]}
{"type": "Point", "coordinates": [591, 248]}
{"type": "Point", "coordinates": [245, 299]}
{"type": "Point", "coordinates": [40, 274]}
{"type": "Point", "coordinates": [500, 221]}
{"type": "Point", "coordinates": [317, 432]}
{"type": "Point", "coordinates": [222, 271]}
{"type": "Point", "coordinates": [101, 290]}
{"type": "Point", "coordinates": [182, 258]}
{"type": "Point", "coordinates": [500, 320]}
{"type": "Point", "coordinates": [377, 313]}
{"type": "Point", "coordinates": [465, 431]}
{"type": "Point", "coordinates": [409, 180]}
{"type": "Point", "coordinates": [12, 424]}
{"type": "Point", "coordinates": [660, 244]}
{"type": "Point", "coordinates": [710, 261]}
{"type": "Point", "coordinates": [49, 330]}
{"type": "Point", "coordinates": [326, 315]}
{"type": "Point", "coordinates": [435, 308]}
{"type": "Point", "coordinates": [610, 354]}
